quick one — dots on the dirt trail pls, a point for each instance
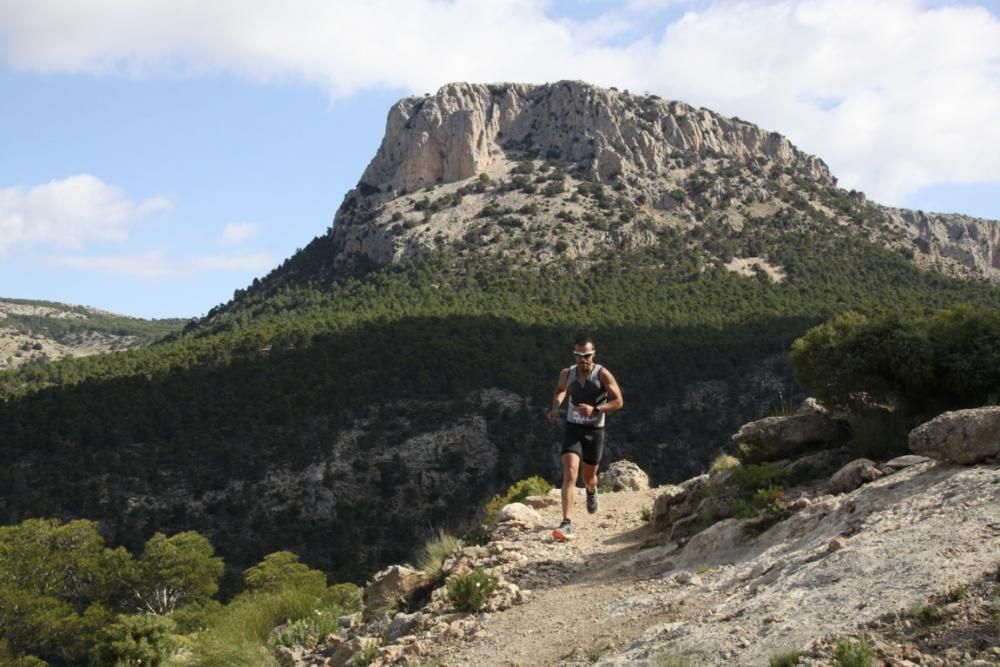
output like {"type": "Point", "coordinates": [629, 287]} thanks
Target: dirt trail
{"type": "Point", "coordinates": [617, 595]}
{"type": "Point", "coordinates": [578, 606]}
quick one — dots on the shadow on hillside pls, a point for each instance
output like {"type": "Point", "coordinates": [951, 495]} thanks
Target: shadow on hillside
{"type": "Point", "coordinates": [90, 449]}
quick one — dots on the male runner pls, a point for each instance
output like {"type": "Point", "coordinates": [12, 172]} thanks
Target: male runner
{"type": "Point", "coordinates": [593, 393]}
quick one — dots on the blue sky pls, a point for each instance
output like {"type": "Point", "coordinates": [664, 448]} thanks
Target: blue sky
{"type": "Point", "coordinates": [158, 155]}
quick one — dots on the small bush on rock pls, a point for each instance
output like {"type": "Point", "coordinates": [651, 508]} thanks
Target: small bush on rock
{"type": "Point", "coordinates": [469, 592]}
{"type": "Point", "coordinates": [435, 551]}
{"type": "Point", "coordinates": [785, 659]}
{"type": "Point", "coordinates": [724, 462]}
{"type": "Point", "coordinates": [755, 476]}
{"type": "Point", "coordinates": [849, 654]}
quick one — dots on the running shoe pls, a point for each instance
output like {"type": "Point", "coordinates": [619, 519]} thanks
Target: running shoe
{"type": "Point", "coordinates": [564, 532]}
{"type": "Point", "coordinates": [592, 501]}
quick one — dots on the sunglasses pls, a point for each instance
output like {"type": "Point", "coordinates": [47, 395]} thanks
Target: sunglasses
{"type": "Point", "coordinates": [583, 355]}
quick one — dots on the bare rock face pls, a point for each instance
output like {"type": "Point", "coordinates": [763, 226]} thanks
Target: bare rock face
{"type": "Point", "coordinates": [961, 436]}
{"type": "Point", "coordinates": [953, 243]}
{"type": "Point", "coordinates": [464, 128]}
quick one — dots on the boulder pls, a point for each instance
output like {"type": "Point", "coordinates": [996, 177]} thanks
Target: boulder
{"type": "Point", "coordinates": [625, 476]}
{"type": "Point", "coordinates": [400, 626]}
{"type": "Point", "coordinates": [853, 475]}
{"type": "Point", "coordinates": [671, 497]}
{"type": "Point", "coordinates": [395, 585]}
{"type": "Point", "coordinates": [773, 438]}
{"type": "Point", "coordinates": [518, 512]}
{"type": "Point", "coordinates": [961, 436]}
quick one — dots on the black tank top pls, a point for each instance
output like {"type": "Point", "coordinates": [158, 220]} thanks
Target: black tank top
{"type": "Point", "coordinates": [589, 392]}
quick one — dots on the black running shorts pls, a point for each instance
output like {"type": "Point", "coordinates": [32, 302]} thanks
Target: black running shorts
{"type": "Point", "coordinates": [585, 442]}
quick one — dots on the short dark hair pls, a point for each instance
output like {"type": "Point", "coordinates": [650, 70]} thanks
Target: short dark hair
{"type": "Point", "coordinates": [583, 340]}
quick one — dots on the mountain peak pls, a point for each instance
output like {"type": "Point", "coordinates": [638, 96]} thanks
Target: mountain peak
{"type": "Point", "coordinates": [465, 129]}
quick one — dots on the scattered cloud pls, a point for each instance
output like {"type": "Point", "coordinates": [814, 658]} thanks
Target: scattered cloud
{"type": "Point", "coordinates": [894, 95]}
{"type": "Point", "coordinates": [238, 232]}
{"type": "Point", "coordinates": [70, 212]}
{"type": "Point", "coordinates": [156, 265]}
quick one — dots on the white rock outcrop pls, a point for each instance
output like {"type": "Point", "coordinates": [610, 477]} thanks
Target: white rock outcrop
{"type": "Point", "coordinates": [961, 436]}
{"type": "Point", "coordinates": [461, 130]}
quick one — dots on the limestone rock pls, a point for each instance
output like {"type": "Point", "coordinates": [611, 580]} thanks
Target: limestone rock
{"type": "Point", "coordinates": [773, 438]}
{"type": "Point", "coordinates": [390, 586]}
{"type": "Point", "coordinates": [853, 475]}
{"type": "Point", "coordinates": [625, 476]}
{"type": "Point", "coordinates": [541, 502]}
{"type": "Point", "coordinates": [400, 625]}
{"type": "Point", "coordinates": [901, 462]}
{"type": "Point", "coordinates": [671, 497]}
{"type": "Point", "coordinates": [959, 244]}
{"type": "Point", "coordinates": [962, 436]}
{"type": "Point", "coordinates": [458, 132]}
{"type": "Point", "coordinates": [518, 512]}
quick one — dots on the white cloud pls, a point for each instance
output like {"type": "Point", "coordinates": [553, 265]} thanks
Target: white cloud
{"type": "Point", "coordinates": [894, 95]}
{"type": "Point", "coordinates": [238, 232]}
{"type": "Point", "coordinates": [156, 265]}
{"type": "Point", "coordinates": [70, 212]}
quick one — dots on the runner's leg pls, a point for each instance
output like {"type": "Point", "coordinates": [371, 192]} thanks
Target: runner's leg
{"type": "Point", "coordinates": [590, 475]}
{"type": "Point", "coordinates": [571, 466]}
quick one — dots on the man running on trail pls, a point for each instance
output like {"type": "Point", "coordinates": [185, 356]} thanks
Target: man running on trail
{"type": "Point", "coordinates": [593, 393]}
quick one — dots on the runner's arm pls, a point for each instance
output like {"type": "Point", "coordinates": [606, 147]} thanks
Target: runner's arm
{"type": "Point", "coordinates": [615, 400]}
{"type": "Point", "coordinates": [559, 396]}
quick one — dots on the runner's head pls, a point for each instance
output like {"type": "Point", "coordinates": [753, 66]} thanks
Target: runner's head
{"type": "Point", "coordinates": [584, 353]}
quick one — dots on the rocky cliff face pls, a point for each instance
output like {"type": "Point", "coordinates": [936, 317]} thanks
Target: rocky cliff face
{"type": "Point", "coordinates": [467, 129]}
{"type": "Point", "coordinates": [952, 243]}
{"type": "Point", "coordinates": [642, 163]}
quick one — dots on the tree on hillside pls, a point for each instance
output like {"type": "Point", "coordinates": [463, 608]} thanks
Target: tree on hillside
{"type": "Point", "coordinates": [175, 571]}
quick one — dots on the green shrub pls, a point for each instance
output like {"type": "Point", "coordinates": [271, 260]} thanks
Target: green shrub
{"type": "Point", "coordinates": [755, 476]}
{"type": "Point", "coordinates": [346, 596]}
{"type": "Point", "coordinates": [532, 486]}
{"type": "Point", "coordinates": [849, 654]}
{"type": "Point", "coordinates": [787, 659]}
{"type": "Point", "coordinates": [238, 634]}
{"type": "Point", "coordinates": [143, 639]}
{"type": "Point", "coordinates": [366, 656]}
{"type": "Point", "coordinates": [646, 513]}
{"type": "Point", "coordinates": [435, 551]}
{"type": "Point", "coordinates": [925, 615]}
{"type": "Point", "coordinates": [282, 569]}
{"type": "Point", "coordinates": [673, 660]}
{"type": "Point", "coordinates": [958, 592]}
{"type": "Point", "coordinates": [724, 462]}
{"type": "Point", "coordinates": [469, 592]}
{"type": "Point", "coordinates": [308, 631]}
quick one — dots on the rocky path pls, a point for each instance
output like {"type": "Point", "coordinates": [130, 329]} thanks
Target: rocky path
{"type": "Point", "coordinates": [575, 612]}
{"type": "Point", "coordinates": [861, 561]}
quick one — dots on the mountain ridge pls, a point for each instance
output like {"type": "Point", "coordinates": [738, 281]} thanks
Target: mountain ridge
{"type": "Point", "coordinates": [36, 331]}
